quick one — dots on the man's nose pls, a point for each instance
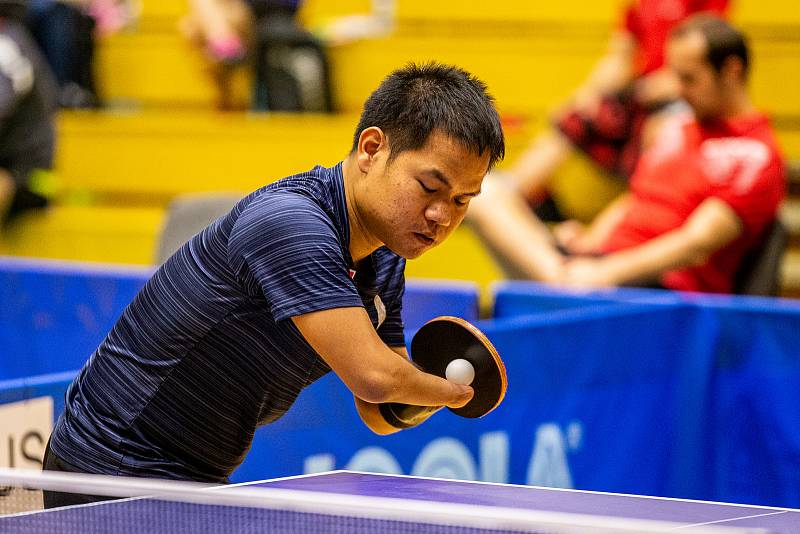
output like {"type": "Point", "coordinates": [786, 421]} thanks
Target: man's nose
{"type": "Point", "coordinates": [440, 213]}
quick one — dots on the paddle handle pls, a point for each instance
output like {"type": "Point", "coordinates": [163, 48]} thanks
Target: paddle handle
{"type": "Point", "coordinates": [406, 415]}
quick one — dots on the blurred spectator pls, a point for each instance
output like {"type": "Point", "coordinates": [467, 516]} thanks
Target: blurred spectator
{"type": "Point", "coordinates": [608, 114]}
{"type": "Point", "coordinates": [701, 198]}
{"type": "Point", "coordinates": [223, 31]}
{"type": "Point", "coordinates": [290, 64]}
{"type": "Point", "coordinates": [27, 107]}
{"type": "Point", "coordinates": [64, 31]}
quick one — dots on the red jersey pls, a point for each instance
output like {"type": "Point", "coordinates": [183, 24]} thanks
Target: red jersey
{"type": "Point", "coordinates": [736, 161]}
{"type": "Point", "coordinates": [650, 21]}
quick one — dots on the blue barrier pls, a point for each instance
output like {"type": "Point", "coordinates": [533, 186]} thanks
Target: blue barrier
{"type": "Point", "coordinates": [50, 385]}
{"type": "Point", "coordinates": [636, 391]}
{"type": "Point", "coordinates": [753, 366]}
{"type": "Point", "coordinates": [426, 299]}
{"type": "Point", "coordinates": [54, 314]}
{"type": "Point", "coordinates": [523, 298]}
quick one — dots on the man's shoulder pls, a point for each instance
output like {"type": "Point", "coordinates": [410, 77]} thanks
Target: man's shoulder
{"type": "Point", "coordinates": [317, 186]}
{"type": "Point", "coordinates": [297, 205]}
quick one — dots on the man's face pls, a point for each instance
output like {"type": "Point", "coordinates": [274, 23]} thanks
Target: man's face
{"type": "Point", "coordinates": [701, 86]}
{"type": "Point", "coordinates": [414, 202]}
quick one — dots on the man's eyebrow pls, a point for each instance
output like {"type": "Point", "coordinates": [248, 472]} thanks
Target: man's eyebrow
{"type": "Point", "coordinates": [439, 175]}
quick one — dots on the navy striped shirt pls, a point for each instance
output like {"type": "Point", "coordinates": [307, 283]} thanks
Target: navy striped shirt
{"type": "Point", "coordinates": [207, 351]}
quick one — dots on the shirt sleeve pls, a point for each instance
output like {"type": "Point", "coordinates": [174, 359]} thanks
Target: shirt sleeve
{"type": "Point", "coordinates": [289, 245]}
{"type": "Point", "coordinates": [748, 176]}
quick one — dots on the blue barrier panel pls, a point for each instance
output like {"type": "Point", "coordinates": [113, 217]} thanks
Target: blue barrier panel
{"type": "Point", "coordinates": [628, 390]}
{"type": "Point", "coordinates": [757, 402]}
{"type": "Point", "coordinates": [750, 415]}
{"type": "Point", "coordinates": [50, 385]}
{"type": "Point", "coordinates": [523, 298]}
{"type": "Point", "coordinates": [425, 299]}
{"type": "Point", "coordinates": [53, 315]}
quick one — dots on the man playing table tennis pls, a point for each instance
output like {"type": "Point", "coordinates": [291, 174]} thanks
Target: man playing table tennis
{"type": "Point", "coordinates": [303, 276]}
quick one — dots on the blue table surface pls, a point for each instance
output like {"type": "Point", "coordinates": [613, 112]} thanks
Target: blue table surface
{"type": "Point", "coordinates": [142, 515]}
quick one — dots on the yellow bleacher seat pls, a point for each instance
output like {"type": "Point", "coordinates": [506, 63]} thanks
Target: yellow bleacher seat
{"type": "Point", "coordinates": [87, 233]}
{"type": "Point", "coordinates": [162, 154]}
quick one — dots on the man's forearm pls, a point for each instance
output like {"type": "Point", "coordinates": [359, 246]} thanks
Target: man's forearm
{"type": "Point", "coordinates": [604, 224]}
{"type": "Point", "coordinates": [710, 227]}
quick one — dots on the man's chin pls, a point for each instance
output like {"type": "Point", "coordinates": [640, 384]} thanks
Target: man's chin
{"type": "Point", "coordinates": [411, 253]}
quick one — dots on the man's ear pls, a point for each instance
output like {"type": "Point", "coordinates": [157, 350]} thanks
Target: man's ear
{"type": "Point", "coordinates": [370, 143]}
{"type": "Point", "coordinates": [733, 69]}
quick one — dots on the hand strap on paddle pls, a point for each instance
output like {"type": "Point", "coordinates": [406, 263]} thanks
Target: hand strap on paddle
{"type": "Point", "coordinates": [406, 415]}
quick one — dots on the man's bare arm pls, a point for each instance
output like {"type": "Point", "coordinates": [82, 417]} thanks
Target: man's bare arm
{"type": "Point", "coordinates": [602, 225]}
{"type": "Point", "coordinates": [347, 341]}
{"type": "Point", "coordinates": [711, 226]}
{"type": "Point", "coordinates": [370, 412]}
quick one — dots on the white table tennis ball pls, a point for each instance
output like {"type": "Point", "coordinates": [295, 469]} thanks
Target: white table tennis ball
{"type": "Point", "coordinates": [460, 372]}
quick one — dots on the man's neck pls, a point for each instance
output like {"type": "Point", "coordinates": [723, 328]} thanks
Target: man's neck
{"type": "Point", "coordinates": [362, 243]}
{"type": "Point", "coordinates": [738, 105]}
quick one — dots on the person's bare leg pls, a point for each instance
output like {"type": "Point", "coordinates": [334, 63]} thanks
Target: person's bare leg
{"type": "Point", "coordinates": [534, 168]}
{"type": "Point", "coordinates": [223, 30]}
{"type": "Point", "coordinates": [212, 19]}
{"type": "Point", "coordinates": [505, 223]}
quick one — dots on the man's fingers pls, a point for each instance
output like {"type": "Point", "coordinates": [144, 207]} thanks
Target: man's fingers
{"type": "Point", "coordinates": [464, 396]}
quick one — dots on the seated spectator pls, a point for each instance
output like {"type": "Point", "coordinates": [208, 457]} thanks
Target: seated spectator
{"type": "Point", "coordinates": [224, 30]}
{"type": "Point", "coordinates": [65, 32]}
{"type": "Point", "coordinates": [291, 64]}
{"type": "Point", "coordinates": [610, 115]}
{"type": "Point", "coordinates": [701, 196]}
{"type": "Point", "coordinates": [27, 108]}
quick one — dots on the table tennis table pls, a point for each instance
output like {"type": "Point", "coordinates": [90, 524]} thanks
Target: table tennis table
{"type": "Point", "coordinates": [582, 511]}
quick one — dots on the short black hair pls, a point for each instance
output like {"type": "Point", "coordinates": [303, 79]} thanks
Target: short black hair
{"type": "Point", "coordinates": [723, 40]}
{"type": "Point", "coordinates": [414, 101]}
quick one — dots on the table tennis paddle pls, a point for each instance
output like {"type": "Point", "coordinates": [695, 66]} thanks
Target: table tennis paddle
{"type": "Point", "coordinates": [444, 339]}
{"type": "Point", "coordinates": [434, 346]}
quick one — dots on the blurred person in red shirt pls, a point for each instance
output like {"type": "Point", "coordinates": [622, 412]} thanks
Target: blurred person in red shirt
{"type": "Point", "coordinates": [610, 115]}
{"type": "Point", "coordinates": [701, 197]}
